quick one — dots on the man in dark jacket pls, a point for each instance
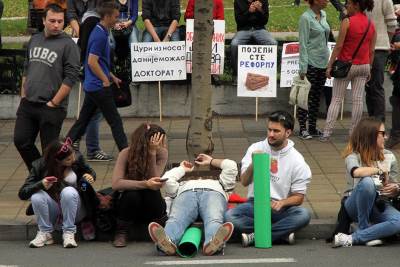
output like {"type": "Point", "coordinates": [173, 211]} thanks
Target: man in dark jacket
{"type": "Point", "coordinates": [251, 17]}
{"type": "Point", "coordinates": [50, 71]}
{"type": "Point", "coordinates": [161, 20]}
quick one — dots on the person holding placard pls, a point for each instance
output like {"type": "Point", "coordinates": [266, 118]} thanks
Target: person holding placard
{"type": "Point", "coordinates": [161, 20]}
{"type": "Point", "coordinates": [355, 44]}
{"type": "Point", "coordinates": [371, 173]}
{"type": "Point", "coordinates": [314, 55]}
{"type": "Point", "coordinates": [136, 180]}
{"type": "Point", "coordinates": [251, 16]}
{"type": "Point", "coordinates": [289, 174]}
{"type": "Point", "coordinates": [193, 197]}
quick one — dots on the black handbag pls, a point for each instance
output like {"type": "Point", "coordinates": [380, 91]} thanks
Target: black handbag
{"type": "Point", "coordinates": [340, 68]}
{"type": "Point", "coordinates": [122, 95]}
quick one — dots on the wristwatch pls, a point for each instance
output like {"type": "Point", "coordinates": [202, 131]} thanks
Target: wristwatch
{"type": "Point", "coordinates": [169, 35]}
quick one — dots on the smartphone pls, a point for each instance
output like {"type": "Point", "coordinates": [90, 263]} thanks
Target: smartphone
{"type": "Point", "coordinates": [163, 179]}
{"type": "Point", "coordinates": [51, 179]}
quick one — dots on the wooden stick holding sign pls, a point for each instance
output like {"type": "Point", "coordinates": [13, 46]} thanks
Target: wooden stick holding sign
{"type": "Point", "coordinates": [78, 108]}
{"type": "Point", "coordinates": [341, 110]}
{"type": "Point", "coordinates": [256, 108]}
{"type": "Point", "coordinates": [160, 99]}
{"type": "Point", "coordinates": [294, 111]}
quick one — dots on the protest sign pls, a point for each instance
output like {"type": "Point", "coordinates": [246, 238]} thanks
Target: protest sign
{"type": "Point", "coordinates": [158, 61]}
{"type": "Point", "coordinates": [218, 46]}
{"type": "Point", "coordinates": [290, 63]}
{"type": "Point", "coordinates": [257, 70]}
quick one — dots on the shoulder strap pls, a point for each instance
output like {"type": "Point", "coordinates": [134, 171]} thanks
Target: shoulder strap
{"type": "Point", "coordinates": [362, 40]}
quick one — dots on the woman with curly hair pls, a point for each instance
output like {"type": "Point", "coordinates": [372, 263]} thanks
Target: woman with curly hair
{"type": "Point", "coordinates": [371, 173]}
{"type": "Point", "coordinates": [136, 177]}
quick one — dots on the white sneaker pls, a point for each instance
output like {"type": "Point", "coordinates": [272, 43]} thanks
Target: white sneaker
{"type": "Point", "coordinates": [247, 239]}
{"type": "Point", "coordinates": [291, 239]}
{"type": "Point", "coordinates": [69, 240]}
{"type": "Point", "coordinates": [342, 240]}
{"type": "Point", "coordinates": [374, 243]}
{"type": "Point", "coordinates": [41, 239]}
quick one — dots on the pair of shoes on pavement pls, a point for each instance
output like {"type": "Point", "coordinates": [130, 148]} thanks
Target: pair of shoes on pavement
{"type": "Point", "coordinates": [164, 243]}
{"type": "Point", "coordinates": [43, 238]}
{"type": "Point", "coordinates": [99, 155]}
{"type": "Point", "coordinates": [248, 239]}
{"type": "Point", "coordinates": [307, 135]}
{"type": "Point", "coordinates": [343, 240]}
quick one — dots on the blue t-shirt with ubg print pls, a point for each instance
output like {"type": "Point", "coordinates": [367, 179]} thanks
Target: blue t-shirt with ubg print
{"type": "Point", "coordinates": [98, 45]}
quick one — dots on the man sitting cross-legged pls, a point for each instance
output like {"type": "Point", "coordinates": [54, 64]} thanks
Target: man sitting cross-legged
{"type": "Point", "coordinates": [205, 197]}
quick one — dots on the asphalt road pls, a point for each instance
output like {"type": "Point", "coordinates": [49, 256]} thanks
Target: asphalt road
{"type": "Point", "coordinates": [304, 253]}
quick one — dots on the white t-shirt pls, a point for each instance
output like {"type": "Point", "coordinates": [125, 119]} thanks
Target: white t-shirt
{"type": "Point", "coordinates": [289, 173]}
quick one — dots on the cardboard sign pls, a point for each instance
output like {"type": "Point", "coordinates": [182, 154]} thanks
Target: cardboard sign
{"type": "Point", "coordinates": [257, 66]}
{"type": "Point", "coordinates": [218, 46]}
{"type": "Point", "coordinates": [158, 61]}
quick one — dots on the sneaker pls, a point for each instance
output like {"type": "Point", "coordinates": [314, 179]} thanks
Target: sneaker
{"type": "Point", "coordinates": [75, 145]}
{"type": "Point", "coordinates": [41, 239]}
{"type": "Point", "coordinates": [290, 239]}
{"type": "Point", "coordinates": [99, 156]}
{"type": "Point", "coordinates": [374, 243]}
{"type": "Point", "coordinates": [163, 242]}
{"type": "Point", "coordinates": [217, 242]}
{"type": "Point", "coordinates": [69, 240]}
{"type": "Point", "coordinates": [305, 135]}
{"type": "Point", "coordinates": [316, 133]}
{"type": "Point", "coordinates": [247, 240]}
{"type": "Point", "coordinates": [342, 240]}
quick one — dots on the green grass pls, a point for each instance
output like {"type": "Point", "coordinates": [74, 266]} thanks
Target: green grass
{"type": "Point", "coordinates": [283, 18]}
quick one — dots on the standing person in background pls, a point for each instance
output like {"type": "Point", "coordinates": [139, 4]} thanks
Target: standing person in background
{"type": "Point", "coordinates": [251, 17]}
{"type": "Point", "coordinates": [314, 55]}
{"type": "Point", "coordinates": [352, 30]}
{"type": "Point", "coordinates": [98, 77]}
{"type": "Point", "coordinates": [385, 23]}
{"type": "Point", "coordinates": [50, 71]}
{"type": "Point", "coordinates": [218, 10]}
{"type": "Point", "coordinates": [77, 12]}
{"type": "Point", "coordinates": [161, 20]}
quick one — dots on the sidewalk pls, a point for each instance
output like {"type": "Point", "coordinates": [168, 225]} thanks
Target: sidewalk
{"type": "Point", "coordinates": [232, 136]}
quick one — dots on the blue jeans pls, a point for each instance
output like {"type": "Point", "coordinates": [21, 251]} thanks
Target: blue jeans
{"type": "Point", "coordinates": [47, 210]}
{"type": "Point", "coordinates": [210, 205]}
{"type": "Point", "coordinates": [372, 224]}
{"type": "Point", "coordinates": [133, 38]}
{"type": "Point", "coordinates": [92, 134]}
{"type": "Point", "coordinates": [283, 222]}
{"type": "Point", "coordinates": [161, 31]}
{"type": "Point", "coordinates": [258, 37]}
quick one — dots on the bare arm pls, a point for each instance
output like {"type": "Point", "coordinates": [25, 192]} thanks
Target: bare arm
{"type": "Point", "coordinates": [150, 28]}
{"type": "Point", "coordinates": [294, 199]}
{"type": "Point", "coordinates": [246, 178]}
{"type": "Point", "coordinates": [93, 62]}
{"type": "Point", "coordinates": [365, 171]}
{"type": "Point", "coordinates": [22, 86]}
{"type": "Point", "coordinates": [75, 27]}
{"type": "Point", "coordinates": [339, 44]}
{"type": "Point", "coordinates": [171, 30]}
{"type": "Point", "coordinates": [62, 93]}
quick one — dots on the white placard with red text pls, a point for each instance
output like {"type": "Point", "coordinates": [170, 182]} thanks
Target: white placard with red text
{"type": "Point", "coordinates": [218, 46]}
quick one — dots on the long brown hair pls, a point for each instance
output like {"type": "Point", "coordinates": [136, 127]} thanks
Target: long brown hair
{"type": "Point", "coordinates": [363, 141]}
{"type": "Point", "coordinates": [139, 156]}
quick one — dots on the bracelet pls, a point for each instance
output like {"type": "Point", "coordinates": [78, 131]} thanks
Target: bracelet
{"type": "Point", "coordinates": [211, 162]}
{"type": "Point", "coordinates": [54, 104]}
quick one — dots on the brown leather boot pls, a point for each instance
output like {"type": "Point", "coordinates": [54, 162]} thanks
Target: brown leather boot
{"type": "Point", "coordinates": [121, 234]}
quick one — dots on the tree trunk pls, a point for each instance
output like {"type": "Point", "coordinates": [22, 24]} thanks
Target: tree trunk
{"type": "Point", "coordinates": [199, 135]}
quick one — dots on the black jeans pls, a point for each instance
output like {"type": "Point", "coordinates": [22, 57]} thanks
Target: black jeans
{"type": "Point", "coordinates": [142, 206]}
{"type": "Point", "coordinates": [375, 93]}
{"type": "Point", "coordinates": [104, 100]}
{"type": "Point", "coordinates": [317, 78]}
{"type": "Point", "coordinates": [33, 118]}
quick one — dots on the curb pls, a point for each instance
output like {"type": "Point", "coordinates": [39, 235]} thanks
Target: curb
{"type": "Point", "coordinates": [18, 231]}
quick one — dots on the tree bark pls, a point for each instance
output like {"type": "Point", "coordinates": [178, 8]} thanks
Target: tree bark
{"type": "Point", "coordinates": [199, 135]}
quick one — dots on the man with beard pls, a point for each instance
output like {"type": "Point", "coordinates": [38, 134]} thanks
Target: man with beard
{"type": "Point", "coordinates": [290, 176]}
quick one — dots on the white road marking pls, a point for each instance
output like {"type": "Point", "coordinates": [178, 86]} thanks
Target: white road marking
{"type": "Point", "coordinates": [227, 261]}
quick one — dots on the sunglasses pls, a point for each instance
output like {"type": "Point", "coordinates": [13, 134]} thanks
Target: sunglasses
{"type": "Point", "coordinates": [65, 146]}
{"type": "Point", "coordinates": [382, 132]}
